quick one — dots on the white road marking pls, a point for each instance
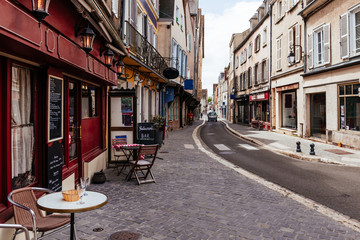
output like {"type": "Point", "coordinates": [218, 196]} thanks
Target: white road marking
{"type": "Point", "coordinates": [221, 147]}
{"type": "Point", "coordinates": [189, 146]}
{"type": "Point", "coordinates": [279, 145]}
{"type": "Point", "coordinates": [248, 147]}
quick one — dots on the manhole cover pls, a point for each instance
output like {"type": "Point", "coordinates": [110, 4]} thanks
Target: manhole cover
{"type": "Point", "coordinates": [124, 235]}
{"type": "Point", "coordinates": [98, 229]}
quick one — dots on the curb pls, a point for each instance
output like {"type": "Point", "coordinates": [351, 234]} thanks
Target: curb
{"type": "Point", "coordinates": [287, 153]}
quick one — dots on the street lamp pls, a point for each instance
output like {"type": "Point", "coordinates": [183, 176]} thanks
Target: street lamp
{"type": "Point", "coordinates": [291, 56]}
{"type": "Point", "coordinates": [40, 9]}
{"type": "Point", "coordinates": [109, 56]}
{"type": "Point", "coordinates": [87, 37]}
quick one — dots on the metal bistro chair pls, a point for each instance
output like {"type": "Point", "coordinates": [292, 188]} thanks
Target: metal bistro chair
{"type": "Point", "coordinates": [17, 227]}
{"type": "Point", "coordinates": [119, 154]}
{"type": "Point", "coordinates": [141, 167]}
{"type": "Point", "coordinates": [27, 214]}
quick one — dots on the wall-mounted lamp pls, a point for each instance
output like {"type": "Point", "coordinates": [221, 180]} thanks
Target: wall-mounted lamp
{"type": "Point", "coordinates": [109, 56]}
{"type": "Point", "coordinates": [120, 67]}
{"type": "Point", "coordinates": [291, 56]}
{"type": "Point", "coordinates": [158, 86]}
{"type": "Point", "coordinates": [149, 82]}
{"type": "Point", "coordinates": [40, 9]}
{"type": "Point", "coordinates": [87, 37]}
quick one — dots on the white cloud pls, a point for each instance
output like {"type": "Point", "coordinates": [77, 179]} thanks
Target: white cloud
{"type": "Point", "coordinates": [218, 31]}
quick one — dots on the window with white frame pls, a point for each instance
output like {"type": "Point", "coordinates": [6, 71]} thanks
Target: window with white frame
{"type": "Point", "coordinates": [280, 10]}
{"type": "Point", "coordinates": [177, 14]}
{"type": "Point", "coordinates": [319, 46]}
{"type": "Point", "coordinates": [188, 42]}
{"type": "Point", "coordinates": [181, 22]}
{"type": "Point", "coordinates": [264, 37]}
{"type": "Point", "coordinates": [294, 41]}
{"type": "Point", "coordinates": [350, 33]}
{"type": "Point", "coordinates": [292, 3]}
{"type": "Point", "coordinates": [278, 54]}
{"type": "Point", "coordinates": [257, 43]}
{"type": "Point", "coordinates": [250, 49]}
{"type": "Point", "coordinates": [264, 71]}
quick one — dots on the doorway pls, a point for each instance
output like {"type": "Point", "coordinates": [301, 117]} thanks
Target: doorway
{"type": "Point", "coordinates": [318, 115]}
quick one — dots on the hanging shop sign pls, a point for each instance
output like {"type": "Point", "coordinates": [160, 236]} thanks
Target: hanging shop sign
{"type": "Point", "coordinates": [55, 108]}
{"type": "Point", "coordinates": [169, 95]}
{"type": "Point", "coordinates": [189, 84]}
{"type": "Point", "coordinates": [259, 96]}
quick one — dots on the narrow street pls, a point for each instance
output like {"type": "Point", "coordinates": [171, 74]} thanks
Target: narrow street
{"type": "Point", "coordinates": [196, 197]}
{"type": "Point", "coordinates": [334, 186]}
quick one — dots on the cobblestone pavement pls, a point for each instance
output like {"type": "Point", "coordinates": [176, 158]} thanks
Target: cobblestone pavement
{"type": "Point", "coordinates": [196, 197]}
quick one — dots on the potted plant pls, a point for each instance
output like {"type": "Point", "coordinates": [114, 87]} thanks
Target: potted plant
{"type": "Point", "coordinates": [159, 126]}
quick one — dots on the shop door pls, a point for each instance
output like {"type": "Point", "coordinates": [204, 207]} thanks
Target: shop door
{"type": "Point", "coordinates": [318, 115]}
{"type": "Point", "coordinates": [72, 149]}
{"type": "Point", "coordinates": [122, 117]}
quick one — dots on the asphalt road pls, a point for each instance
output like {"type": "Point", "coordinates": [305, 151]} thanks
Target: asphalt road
{"type": "Point", "coordinates": [337, 187]}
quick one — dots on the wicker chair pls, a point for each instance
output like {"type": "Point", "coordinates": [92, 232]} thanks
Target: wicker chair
{"type": "Point", "coordinates": [27, 214]}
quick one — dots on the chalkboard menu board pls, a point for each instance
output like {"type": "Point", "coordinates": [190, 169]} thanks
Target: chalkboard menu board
{"type": "Point", "coordinates": [55, 131]}
{"type": "Point", "coordinates": [55, 161]}
{"type": "Point", "coordinates": [146, 133]}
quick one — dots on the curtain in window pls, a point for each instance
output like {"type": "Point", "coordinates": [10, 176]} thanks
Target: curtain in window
{"type": "Point", "coordinates": [22, 130]}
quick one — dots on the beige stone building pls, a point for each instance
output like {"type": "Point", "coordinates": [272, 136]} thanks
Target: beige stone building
{"type": "Point", "coordinates": [287, 64]}
{"type": "Point", "coordinates": [252, 56]}
{"type": "Point", "coordinates": [331, 79]}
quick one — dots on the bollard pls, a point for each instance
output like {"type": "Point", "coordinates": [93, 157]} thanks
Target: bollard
{"type": "Point", "coordinates": [298, 148]}
{"type": "Point", "coordinates": [312, 150]}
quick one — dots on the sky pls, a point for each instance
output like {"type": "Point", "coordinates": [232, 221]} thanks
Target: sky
{"type": "Point", "coordinates": [222, 19]}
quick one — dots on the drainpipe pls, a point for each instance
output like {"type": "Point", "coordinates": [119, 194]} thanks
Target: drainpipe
{"type": "Point", "coordinates": [123, 6]}
{"type": "Point", "coordinates": [270, 71]}
{"type": "Point", "coordinates": [234, 85]}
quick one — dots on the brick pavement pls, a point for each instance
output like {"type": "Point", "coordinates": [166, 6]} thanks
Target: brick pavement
{"type": "Point", "coordinates": [196, 197]}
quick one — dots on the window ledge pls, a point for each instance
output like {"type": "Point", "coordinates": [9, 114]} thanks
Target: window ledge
{"type": "Point", "coordinates": [277, 21]}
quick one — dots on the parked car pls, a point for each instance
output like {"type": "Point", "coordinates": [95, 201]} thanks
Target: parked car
{"type": "Point", "coordinates": [212, 116]}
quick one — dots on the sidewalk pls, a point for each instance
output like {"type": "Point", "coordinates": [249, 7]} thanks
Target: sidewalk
{"type": "Point", "coordinates": [286, 144]}
{"type": "Point", "coordinates": [196, 197]}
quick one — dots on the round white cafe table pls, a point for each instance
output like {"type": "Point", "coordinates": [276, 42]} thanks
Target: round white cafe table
{"type": "Point", "coordinates": [55, 203]}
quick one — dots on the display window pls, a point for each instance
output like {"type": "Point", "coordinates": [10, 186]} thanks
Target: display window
{"type": "Point", "coordinates": [349, 107]}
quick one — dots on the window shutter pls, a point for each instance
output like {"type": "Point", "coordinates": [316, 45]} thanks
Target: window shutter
{"type": "Point", "coordinates": [266, 69]}
{"type": "Point", "coordinates": [246, 80]}
{"type": "Point", "coordinates": [283, 8]}
{"type": "Point", "coordinates": [327, 44]}
{"type": "Point", "coordinates": [344, 35]}
{"type": "Point", "coordinates": [250, 78]}
{"type": "Point", "coordinates": [254, 74]}
{"type": "Point", "coordinates": [275, 11]}
{"type": "Point", "coordinates": [298, 43]}
{"type": "Point", "coordinates": [278, 54]}
{"type": "Point", "coordinates": [291, 40]}
{"type": "Point", "coordinates": [115, 7]}
{"type": "Point", "coordinates": [261, 73]}
{"type": "Point", "coordinates": [133, 11]}
{"type": "Point", "coordinates": [310, 50]}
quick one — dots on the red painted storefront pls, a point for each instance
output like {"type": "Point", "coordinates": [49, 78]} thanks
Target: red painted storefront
{"type": "Point", "coordinates": [31, 59]}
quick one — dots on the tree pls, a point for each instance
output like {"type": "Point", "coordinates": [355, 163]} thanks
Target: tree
{"type": "Point", "coordinates": [209, 99]}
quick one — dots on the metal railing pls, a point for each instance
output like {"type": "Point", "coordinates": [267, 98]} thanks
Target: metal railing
{"type": "Point", "coordinates": [144, 50]}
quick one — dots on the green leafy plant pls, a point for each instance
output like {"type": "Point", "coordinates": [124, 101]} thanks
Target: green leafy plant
{"type": "Point", "coordinates": [159, 121]}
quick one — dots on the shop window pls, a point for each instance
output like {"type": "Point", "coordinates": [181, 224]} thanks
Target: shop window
{"type": "Point", "coordinates": [22, 128]}
{"type": "Point", "coordinates": [176, 109]}
{"type": "Point", "coordinates": [127, 111]}
{"type": "Point", "coordinates": [89, 102]}
{"type": "Point", "coordinates": [349, 107]}
{"type": "Point", "coordinates": [171, 111]}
